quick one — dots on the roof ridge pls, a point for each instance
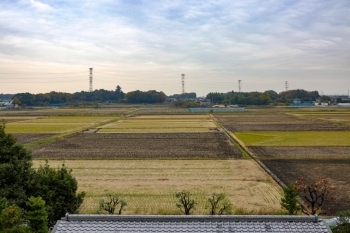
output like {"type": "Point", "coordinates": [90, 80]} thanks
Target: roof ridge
{"type": "Point", "coordinates": [174, 218]}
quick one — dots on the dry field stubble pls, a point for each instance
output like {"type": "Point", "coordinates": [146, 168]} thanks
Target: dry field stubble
{"type": "Point", "coordinates": [159, 111]}
{"type": "Point", "coordinates": [301, 152]}
{"type": "Point", "coordinates": [161, 124]}
{"type": "Point", "coordinates": [333, 117]}
{"type": "Point", "coordinates": [277, 122]}
{"type": "Point", "coordinates": [149, 185]}
{"type": "Point", "coordinates": [56, 124]}
{"type": "Point", "coordinates": [140, 145]}
{"type": "Point", "coordinates": [295, 138]}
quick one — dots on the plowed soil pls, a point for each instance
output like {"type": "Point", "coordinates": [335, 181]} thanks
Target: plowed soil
{"type": "Point", "coordinates": [30, 137]}
{"type": "Point", "coordinates": [336, 171]}
{"type": "Point", "coordinates": [140, 146]}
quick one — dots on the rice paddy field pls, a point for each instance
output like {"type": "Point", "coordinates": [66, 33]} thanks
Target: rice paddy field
{"type": "Point", "coordinates": [54, 124]}
{"type": "Point", "coordinates": [161, 124]}
{"type": "Point", "coordinates": [146, 158]}
{"type": "Point", "coordinates": [149, 186]}
{"type": "Point", "coordinates": [147, 153]}
{"type": "Point", "coordinates": [299, 143]}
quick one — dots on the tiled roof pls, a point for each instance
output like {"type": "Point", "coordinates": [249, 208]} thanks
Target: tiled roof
{"type": "Point", "coordinates": [192, 223]}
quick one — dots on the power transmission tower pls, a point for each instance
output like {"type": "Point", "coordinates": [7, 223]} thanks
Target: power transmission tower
{"type": "Point", "coordinates": [286, 84]}
{"type": "Point", "coordinates": [239, 85]}
{"type": "Point", "coordinates": [90, 80]}
{"type": "Point", "coordinates": [183, 83]}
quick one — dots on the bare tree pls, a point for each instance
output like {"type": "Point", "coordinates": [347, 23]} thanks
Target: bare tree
{"type": "Point", "coordinates": [186, 204]}
{"type": "Point", "coordinates": [111, 205]}
{"type": "Point", "coordinates": [219, 204]}
{"type": "Point", "coordinates": [316, 194]}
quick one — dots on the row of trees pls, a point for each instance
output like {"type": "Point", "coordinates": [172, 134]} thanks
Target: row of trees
{"type": "Point", "coordinates": [28, 99]}
{"type": "Point", "coordinates": [262, 98]}
{"type": "Point", "coordinates": [19, 182]}
{"type": "Point", "coordinates": [152, 96]}
{"type": "Point", "coordinates": [149, 97]}
{"type": "Point", "coordinates": [190, 95]}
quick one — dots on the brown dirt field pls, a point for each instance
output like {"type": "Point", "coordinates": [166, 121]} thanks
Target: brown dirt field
{"type": "Point", "coordinates": [149, 186]}
{"type": "Point", "coordinates": [278, 122]}
{"type": "Point", "coordinates": [30, 137]}
{"type": "Point", "coordinates": [301, 152]}
{"type": "Point", "coordinates": [336, 171]}
{"type": "Point", "coordinates": [140, 146]}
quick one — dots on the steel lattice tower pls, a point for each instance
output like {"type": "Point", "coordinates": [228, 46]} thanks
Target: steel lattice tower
{"type": "Point", "coordinates": [90, 79]}
{"type": "Point", "coordinates": [286, 85]}
{"type": "Point", "coordinates": [183, 83]}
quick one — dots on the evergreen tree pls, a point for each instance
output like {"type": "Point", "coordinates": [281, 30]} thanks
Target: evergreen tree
{"type": "Point", "coordinates": [289, 200]}
{"type": "Point", "coordinates": [15, 169]}
{"type": "Point", "coordinates": [37, 215]}
{"type": "Point", "coordinates": [58, 188]}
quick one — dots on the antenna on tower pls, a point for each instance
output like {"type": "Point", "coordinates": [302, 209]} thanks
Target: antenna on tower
{"type": "Point", "coordinates": [239, 85]}
{"type": "Point", "coordinates": [183, 83]}
{"type": "Point", "coordinates": [90, 79]}
{"type": "Point", "coordinates": [286, 84]}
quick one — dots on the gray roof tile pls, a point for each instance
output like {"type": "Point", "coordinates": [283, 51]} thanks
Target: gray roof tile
{"type": "Point", "coordinates": [191, 224]}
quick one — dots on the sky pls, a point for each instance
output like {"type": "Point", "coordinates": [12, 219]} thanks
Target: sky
{"type": "Point", "coordinates": [49, 45]}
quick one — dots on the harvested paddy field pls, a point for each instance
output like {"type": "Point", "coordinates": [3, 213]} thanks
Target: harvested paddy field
{"type": "Point", "coordinates": [160, 124]}
{"type": "Point", "coordinates": [212, 145]}
{"type": "Point", "coordinates": [310, 138]}
{"type": "Point", "coordinates": [7, 119]}
{"type": "Point", "coordinates": [301, 152]}
{"type": "Point", "coordinates": [336, 171]}
{"type": "Point", "coordinates": [333, 117]}
{"type": "Point", "coordinates": [159, 111]}
{"type": "Point", "coordinates": [56, 124]}
{"type": "Point", "coordinates": [149, 186]}
{"type": "Point", "coordinates": [277, 122]}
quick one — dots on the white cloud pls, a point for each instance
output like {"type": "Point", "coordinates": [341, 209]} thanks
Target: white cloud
{"type": "Point", "coordinates": [39, 5]}
{"type": "Point", "coordinates": [213, 42]}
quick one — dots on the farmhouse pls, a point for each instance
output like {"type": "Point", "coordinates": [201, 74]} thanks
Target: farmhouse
{"type": "Point", "coordinates": [189, 223]}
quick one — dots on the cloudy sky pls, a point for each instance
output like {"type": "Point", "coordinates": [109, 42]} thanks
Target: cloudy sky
{"type": "Point", "coordinates": [49, 45]}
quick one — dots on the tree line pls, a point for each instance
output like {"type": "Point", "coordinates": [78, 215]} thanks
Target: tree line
{"type": "Point", "coordinates": [262, 98]}
{"type": "Point", "coordinates": [113, 96]}
{"type": "Point", "coordinates": [152, 96]}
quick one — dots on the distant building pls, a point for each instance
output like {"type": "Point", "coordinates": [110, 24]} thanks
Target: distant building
{"type": "Point", "coordinates": [296, 101]}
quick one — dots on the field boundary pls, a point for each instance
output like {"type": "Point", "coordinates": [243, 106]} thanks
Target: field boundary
{"type": "Point", "coordinates": [253, 156]}
{"type": "Point", "coordinates": [249, 152]}
{"type": "Point", "coordinates": [64, 135]}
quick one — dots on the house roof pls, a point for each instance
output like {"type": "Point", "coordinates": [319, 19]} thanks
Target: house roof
{"type": "Point", "coordinates": [191, 223]}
